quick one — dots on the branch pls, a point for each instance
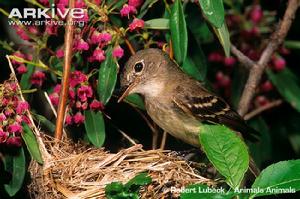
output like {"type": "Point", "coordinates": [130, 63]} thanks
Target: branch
{"type": "Point", "coordinates": [261, 109]}
{"type": "Point", "coordinates": [66, 75]}
{"type": "Point", "coordinates": [247, 62]}
{"type": "Point", "coordinates": [258, 68]}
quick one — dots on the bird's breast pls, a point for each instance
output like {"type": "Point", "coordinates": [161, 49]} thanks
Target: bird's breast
{"type": "Point", "coordinates": [173, 121]}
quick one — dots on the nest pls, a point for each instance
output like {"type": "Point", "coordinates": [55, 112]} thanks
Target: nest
{"type": "Point", "coordinates": [74, 170]}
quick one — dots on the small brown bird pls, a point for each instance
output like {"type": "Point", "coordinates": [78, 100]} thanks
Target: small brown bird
{"type": "Point", "coordinates": [174, 100]}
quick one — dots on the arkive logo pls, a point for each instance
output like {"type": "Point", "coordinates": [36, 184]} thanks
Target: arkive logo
{"type": "Point", "coordinates": [38, 13]}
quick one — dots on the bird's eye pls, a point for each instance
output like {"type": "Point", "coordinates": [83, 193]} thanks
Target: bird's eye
{"type": "Point", "coordinates": [138, 67]}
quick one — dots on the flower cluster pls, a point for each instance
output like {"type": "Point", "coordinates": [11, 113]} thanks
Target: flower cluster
{"type": "Point", "coordinates": [81, 98]}
{"type": "Point", "coordinates": [12, 114]}
{"type": "Point", "coordinates": [90, 40]}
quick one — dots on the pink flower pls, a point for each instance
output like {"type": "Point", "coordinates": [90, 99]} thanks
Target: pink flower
{"type": "Point", "coordinates": [22, 107]}
{"type": "Point", "coordinates": [2, 117]}
{"type": "Point", "coordinates": [14, 141]}
{"type": "Point", "coordinates": [256, 14]}
{"type": "Point", "coordinates": [78, 118]}
{"type": "Point", "coordinates": [98, 55]}
{"type": "Point", "coordinates": [5, 102]}
{"type": "Point", "coordinates": [84, 106]}
{"type": "Point", "coordinates": [22, 69]}
{"type": "Point", "coordinates": [79, 4]}
{"type": "Point", "coordinates": [22, 34]}
{"type": "Point", "coordinates": [136, 24]}
{"type": "Point", "coordinates": [81, 45]}
{"type": "Point", "coordinates": [222, 80]}
{"type": "Point", "coordinates": [261, 100]}
{"type": "Point", "coordinates": [15, 128]}
{"type": "Point", "coordinates": [72, 93]}
{"type": "Point", "coordinates": [127, 10]}
{"type": "Point", "coordinates": [44, 2]}
{"type": "Point", "coordinates": [266, 86]}
{"type": "Point", "coordinates": [135, 3]}
{"type": "Point", "coordinates": [229, 61]}
{"type": "Point", "coordinates": [57, 88]}
{"type": "Point", "coordinates": [96, 105]}
{"type": "Point", "coordinates": [100, 37]}
{"type": "Point", "coordinates": [118, 52]}
{"type": "Point", "coordinates": [215, 57]}
{"type": "Point", "coordinates": [38, 78]}
{"type": "Point", "coordinates": [84, 92]}
{"type": "Point", "coordinates": [279, 63]}
{"type": "Point", "coordinates": [63, 3]}
{"type": "Point", "coordinates": [26, 119]}
{"type": "Point", "coordinates": [51, 29]}
{"type": "Point", "coordinates": [8, 112]}
{"type": "Point", "coordinates": [54, 98]}
{"type": "Point", "coordinates": [68, 120]}
{"type": "Point", "coordinates": [60, 53]}
{"type": "Point", "coordinates": [3, 136]}
{"type": "Point", "coordinates": [33, 30]}
{"type": "Point", "coordinates": [76, 78]}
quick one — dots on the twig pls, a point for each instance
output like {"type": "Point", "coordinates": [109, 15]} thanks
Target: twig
{"type": "Point", "coordinates": [130, 47]}
{"type": "Point", "coordinates": [53, 109]}
{"type": "Point", "coordinates": [258, 68]}
{"type": "Point", "coordinates": [66, 75]}
{"type": "Point", "coordinates": [261, 109]}
{"type": "Point", "coordinates": [247, 62]}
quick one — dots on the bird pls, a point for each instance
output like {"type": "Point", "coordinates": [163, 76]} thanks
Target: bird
{"type": "Point", "coordinates": [175, 101]}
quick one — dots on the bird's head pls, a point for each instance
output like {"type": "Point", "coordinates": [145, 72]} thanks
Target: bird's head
{"type": "Point", "coordinates": [143, 71]}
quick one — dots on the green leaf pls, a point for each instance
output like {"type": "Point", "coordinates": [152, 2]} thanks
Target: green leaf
{"type": "Point", "coordinates": [197, 191]}
{"type": "Point", "coordinates": [195, 63]}
{"type": "Point", "coordinates": [159, 23]}
{"type": "Point", "coordinates": [288, 85]}
{"type": "Point", "coordinates": [295, 142]}
{"type": "Point", "coordinates": [292, 44]}
{"type": "Point", "coordinates": [197, 25]}
{"type": "Point", "coordinates": [116, 4]}
{"type": "Point", "coordinates": [139, 180]}
{"type": "Point", "coordinates": [224, 38]}
{"type": "Point", "coordinates": [281, 175]}
{"type": "Point", "coordinates": [45, 122]}
{"type": "Point", "coordinates": [240, 76]}
{"type": "Point", "coordinates": [135, 100]}
{"type": "Point", "coordinates": [226, 151]}
{"type": "Point", "coordinates": [114, 187]}
{"type": "Point", "coordinates": [31, 144]}
{"type": "Point", "coordinates": [95, 127]}
{"type": "Point", "coordinates": [261, 151]}
{"type": "Point", "coordinates": [25, 79]}
{"type": "Point", "coordinates": [107, 77]}
{"type": "Point", "coordinates": [145, 7]}
{"type": "Point", "coordinates": [16, 166]}
{"type": "Point", "coordinates": [116, 190]}
{"type": "Point", "coordinates": [178, 29]}
{"type": "Point", "coordinates": [213, 11]}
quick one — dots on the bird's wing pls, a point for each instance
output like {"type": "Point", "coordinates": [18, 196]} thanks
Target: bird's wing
{"type": "Point", "coordinates": [208, 107]}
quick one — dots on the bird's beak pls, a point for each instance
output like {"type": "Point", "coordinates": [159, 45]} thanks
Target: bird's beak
{"type": "Point", "coordinates": [127, 91]}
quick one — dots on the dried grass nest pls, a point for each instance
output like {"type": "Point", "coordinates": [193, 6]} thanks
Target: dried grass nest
{"type": "Point", "coordinates": [74, 170]}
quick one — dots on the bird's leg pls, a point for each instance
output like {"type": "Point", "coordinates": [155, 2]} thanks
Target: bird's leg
{"type": "Point", "coordinates": [154, 136]}
{"type": "Point", "coordinates": [163, 140]}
